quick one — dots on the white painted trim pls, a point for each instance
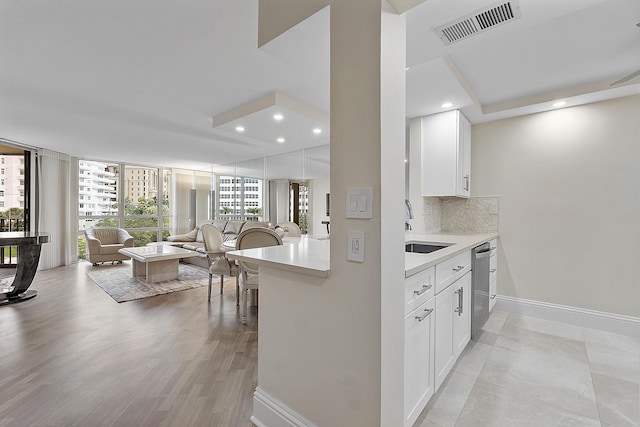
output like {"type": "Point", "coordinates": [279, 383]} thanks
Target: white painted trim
{"type": "Point", "coordinates": [270, 412]}
{"type": "Point", "coordinates": [584, 318]}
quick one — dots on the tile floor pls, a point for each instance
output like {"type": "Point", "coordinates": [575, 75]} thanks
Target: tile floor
{"type": "Point", "coordinates": [529, 372]}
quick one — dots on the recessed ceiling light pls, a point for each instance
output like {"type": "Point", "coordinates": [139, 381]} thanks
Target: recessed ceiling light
{"type": "Point", "coordinates": [317, 131]}
{"type": "Point", "coordinates": [278, 116]}
{"type": "Point", "coordinates": [559, 104]}
{"type": "Point", "coordinates": [240, 128]}
{"type": "Point", "coordinates": [280, 140]}
{"type": "Point", "coordinates": [447, 105]}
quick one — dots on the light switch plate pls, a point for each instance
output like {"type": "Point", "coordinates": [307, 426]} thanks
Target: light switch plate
{"type": "Point", "coordinates": [355, 246]}
{"type": "Point", "coordinates": [359, 203]}
{"type": "Point", "coordinates": [493, 207]}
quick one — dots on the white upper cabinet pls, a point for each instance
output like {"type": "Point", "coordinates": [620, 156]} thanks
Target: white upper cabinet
{"type": "Point", "coordinates": [445, 154]}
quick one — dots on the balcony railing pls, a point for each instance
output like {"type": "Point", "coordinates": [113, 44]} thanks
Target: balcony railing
{"type": "Point", "coordinates": [9, 254]}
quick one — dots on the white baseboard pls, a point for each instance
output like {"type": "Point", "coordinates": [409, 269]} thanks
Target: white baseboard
{"type": "Point", "coordinates": [609, 322]}
{"type": "Point", "coordinates": [270, 412]}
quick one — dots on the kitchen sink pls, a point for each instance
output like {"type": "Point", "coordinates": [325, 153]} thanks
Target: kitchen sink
{"type": "Point", "coordinates": [422, 248]}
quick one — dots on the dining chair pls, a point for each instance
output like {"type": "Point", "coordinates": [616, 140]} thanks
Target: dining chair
{"type": "Point", "coordinates": [248, 275]}
{"type": "Point", "coordinates": [217, 261]}
{"type": "Point", "coordinates": [291, 229]}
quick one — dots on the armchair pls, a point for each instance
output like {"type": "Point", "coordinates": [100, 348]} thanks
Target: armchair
{"type": "Point", "coordinates": [103, 244]}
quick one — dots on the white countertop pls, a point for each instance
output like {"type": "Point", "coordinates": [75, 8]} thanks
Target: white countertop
{"type": "Point", "coordinates": [311, 256]}
{"type": "Point", "coordinates": [304, 255]}
{"type": "Point", "coordinates": [414, 263]}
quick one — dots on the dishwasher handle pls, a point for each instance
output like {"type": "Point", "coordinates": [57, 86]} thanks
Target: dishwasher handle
{"type": "Point", "coordinates": [483, 254]}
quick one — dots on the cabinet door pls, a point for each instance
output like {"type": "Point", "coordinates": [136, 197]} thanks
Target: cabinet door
{"type": "Point", "coordinates": [444, 358]}
{"type": "Point", "coordinates": [462, 314]}
{"type": "Point", "coordinates": [439, 136]}
{"type": "Point", "coordinates": [418, 360]}
{"type": "Point", "coordinates": [492, 295]}
{"type": "Point", "coordinates": [463, 183]}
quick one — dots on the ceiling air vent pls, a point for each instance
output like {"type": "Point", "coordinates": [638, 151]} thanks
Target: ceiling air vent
{"type": "Point", "coordinates": [478, 21]}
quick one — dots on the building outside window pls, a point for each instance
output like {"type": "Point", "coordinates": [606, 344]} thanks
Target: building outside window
{"type": "Point", "coordinates": [102, 185]}
{"type": "Point", "coordinates": [241, 198]}
{"type": "Point", "coordinates": [12, 192]}
{"type": "Point", "coordinates": [98, 189]}
{"type": "Point", "coordinates": [299, 204]}
{"type": "Point", "coordinates": [142, 207]}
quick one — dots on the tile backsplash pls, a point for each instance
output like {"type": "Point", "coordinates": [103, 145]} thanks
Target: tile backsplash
{"type": "Point", "coordinates": [432, 214]}
{"type": "Point", "coordinates": [457, 215]}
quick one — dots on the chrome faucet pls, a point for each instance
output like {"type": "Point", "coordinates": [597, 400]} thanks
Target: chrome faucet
{"type": "Point", "coordinates": [408, 214]}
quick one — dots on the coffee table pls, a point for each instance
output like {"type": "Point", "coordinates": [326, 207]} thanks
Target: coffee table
{"type": "Point", "coordinates": [156, 263]}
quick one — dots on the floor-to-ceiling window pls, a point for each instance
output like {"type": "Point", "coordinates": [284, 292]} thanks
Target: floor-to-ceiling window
{"type": "Point", "coordinates": [299, 204]}
{"type": "Point", "coordinates": [14, 197]}
{"type": "Point", "coordinates": [136, 198]}
{"type": "Point", "coordinates": [240, 198]}
{"type": "Point", "coordinates": [146, 203]}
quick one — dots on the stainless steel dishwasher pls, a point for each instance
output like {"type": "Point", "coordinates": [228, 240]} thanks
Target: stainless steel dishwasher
{"type": "Point", "coordinates": [480, 287]}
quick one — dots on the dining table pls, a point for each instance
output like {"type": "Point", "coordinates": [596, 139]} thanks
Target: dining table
{"type": "Point", "coordinates": [230, 245]}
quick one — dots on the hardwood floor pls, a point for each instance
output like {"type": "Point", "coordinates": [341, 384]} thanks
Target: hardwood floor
{"type": "Point", "coordinates": [72, 356]}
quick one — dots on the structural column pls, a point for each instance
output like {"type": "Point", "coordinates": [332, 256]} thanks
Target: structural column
{"type": "Point", "coordinates": [332, 353]}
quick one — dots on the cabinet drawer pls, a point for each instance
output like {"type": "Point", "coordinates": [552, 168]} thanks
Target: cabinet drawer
{"type": "Point", "coordinates": [493, 266]}
{"type": "Point", "coordinates": [418, 289]}
{"type": "Point", "coordinates": [452, 269]}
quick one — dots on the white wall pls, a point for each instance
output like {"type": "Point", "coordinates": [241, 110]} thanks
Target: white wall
{"type": "Point", "coordinates": [569, 192]}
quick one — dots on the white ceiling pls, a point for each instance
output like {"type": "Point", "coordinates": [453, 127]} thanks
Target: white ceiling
{"type": "Point", "coordinates": [141, 82]}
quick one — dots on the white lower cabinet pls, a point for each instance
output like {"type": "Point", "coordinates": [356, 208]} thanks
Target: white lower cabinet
{"type": "Point", "coordinates": [453, 325]}
{"type": "Point", "coordinates": [493, 293]}
{"type": "Point", "coordinates": [493, 273]}
{"type": "Point", "coordinates": [436, 328]}
{"type": "Point", "coordinates": [419, 326]}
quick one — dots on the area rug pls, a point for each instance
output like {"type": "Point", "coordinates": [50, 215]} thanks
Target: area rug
{"type": "Point", "coordinates": [117, 282]}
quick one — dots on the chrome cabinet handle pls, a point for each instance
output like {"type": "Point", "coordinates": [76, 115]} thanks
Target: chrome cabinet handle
{"type": "Point", "coordinates": [460, 308]}
{"type": "Point", "coordinates": [458, 268]}
{"type": "Point", "coordinates": [427, 312]}
{"type": "Point", "coordinates": [493, 270]}
{"type": "Point", "coordinates": [424, 289]}
{"type": "Point", "coordinates": [466, 179]}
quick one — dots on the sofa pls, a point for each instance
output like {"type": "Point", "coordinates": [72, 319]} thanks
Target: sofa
{"type": "Point", "coordinates": [103, 244]}
{"type": "Point", "coordinates": [194, 241]}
